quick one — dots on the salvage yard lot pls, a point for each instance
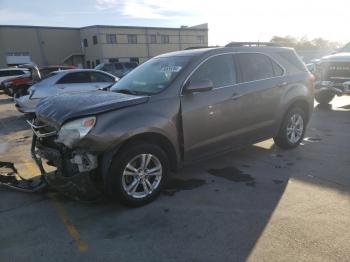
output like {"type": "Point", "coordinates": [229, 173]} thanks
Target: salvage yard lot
{"type": "Point", "coordinates": [259, 204]}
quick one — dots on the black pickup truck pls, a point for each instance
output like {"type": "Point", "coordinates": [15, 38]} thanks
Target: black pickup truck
{"type": "Point", "coordinates": [332, 74]}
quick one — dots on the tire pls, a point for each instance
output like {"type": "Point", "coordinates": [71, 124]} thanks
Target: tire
{"type": "Point", "coordinates": [324, 97]}
{"type": "Point", "coordinates": [119, 177]}
{"type": "Point", "coordinates": [285, 138]}
{"type": "Point", "coordinates": [6, 91]}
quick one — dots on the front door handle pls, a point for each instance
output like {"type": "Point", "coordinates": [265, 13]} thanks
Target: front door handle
{"type": "Point", "coordinates": [282, 84]}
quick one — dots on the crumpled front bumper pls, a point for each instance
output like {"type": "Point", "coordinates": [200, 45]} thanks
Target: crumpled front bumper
{"type": "Point", "coordinates": [83, 186]}
{"type": "Point", "coordinates": [337, 88]}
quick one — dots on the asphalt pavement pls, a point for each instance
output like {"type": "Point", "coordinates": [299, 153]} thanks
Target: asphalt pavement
{"type": "Point", "coordinates": [259, 203]}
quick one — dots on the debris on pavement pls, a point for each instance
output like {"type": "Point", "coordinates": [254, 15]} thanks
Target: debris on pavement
{"type": "Point", "coordinates": [10, 178]}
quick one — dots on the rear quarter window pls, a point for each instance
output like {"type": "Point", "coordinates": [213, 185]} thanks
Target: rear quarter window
{"type": "Point", "coordinates": [99, 77]}
{"type": "Point", "coordinates": [291, 61]}
{"type": "Point", "coordinates": [75, 78]}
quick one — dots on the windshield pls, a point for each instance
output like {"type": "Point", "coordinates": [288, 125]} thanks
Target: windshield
{"type": "Point", "coordinates": [153, 76]}
{"type": "Point", "coordinates": [130, 65]}
{"type": "Point", "coordinates": [99, 67]}
{"type": "Point", "coordinates": [49, 75]}
{"type": "Point", "coordinates": [346, 48]}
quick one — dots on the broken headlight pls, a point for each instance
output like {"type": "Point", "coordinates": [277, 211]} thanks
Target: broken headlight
{"type": "Point", "coordinates": [73, 131]}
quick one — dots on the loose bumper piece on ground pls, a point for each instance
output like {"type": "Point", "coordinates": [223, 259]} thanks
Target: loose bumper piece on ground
{"type": "Point", "coordinates": [11, 179]}
{"type": "Point", "coordinates": [80, 186]}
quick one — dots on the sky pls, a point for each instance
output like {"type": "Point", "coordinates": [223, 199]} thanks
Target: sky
{"type": "Point", "coordinates": [229, 20]}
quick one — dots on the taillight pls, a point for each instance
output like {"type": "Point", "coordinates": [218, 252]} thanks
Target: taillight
{"type": "Point", "coordinates": [312, 81]}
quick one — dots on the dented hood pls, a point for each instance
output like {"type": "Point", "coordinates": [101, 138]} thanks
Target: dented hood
{"type": "Point", "coordinates": [58, 109]}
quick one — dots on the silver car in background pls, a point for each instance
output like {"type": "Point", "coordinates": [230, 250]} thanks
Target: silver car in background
{"type": "Point", "coordinates": [64, 81]}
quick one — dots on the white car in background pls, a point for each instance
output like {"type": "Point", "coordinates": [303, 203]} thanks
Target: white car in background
{"type": "Point", "coordinates": [64, 81]}
{"type": "Point", "coordinates": [8, 73]}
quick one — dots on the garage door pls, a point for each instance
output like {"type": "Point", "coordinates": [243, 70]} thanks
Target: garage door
{"type": "Point", "coordinates": [17, 58]}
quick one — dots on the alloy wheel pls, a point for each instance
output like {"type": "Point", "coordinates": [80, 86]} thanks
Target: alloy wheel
{"type": "Point", "coordinates": [295, 128]}
{"type": "Point", "coordinates": [142, 175]}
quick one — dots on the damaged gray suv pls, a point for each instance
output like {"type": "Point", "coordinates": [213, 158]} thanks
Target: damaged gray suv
{"type": "Point", "coordinates": [172, 110]}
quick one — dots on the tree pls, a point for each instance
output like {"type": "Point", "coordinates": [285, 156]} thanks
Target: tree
{"type": "Point", "coordinates": [303, 43]}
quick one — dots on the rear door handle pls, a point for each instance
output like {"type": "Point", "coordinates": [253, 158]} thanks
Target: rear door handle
{"type": "Point", "coordinates": [282, 84]}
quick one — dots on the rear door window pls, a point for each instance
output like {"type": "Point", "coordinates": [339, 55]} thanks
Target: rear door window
{"type": "Point", "coordinates": [75, 78]}
{"type": "Point", "coordinates": [99, 77]}
{"type": "Point", "coordinates": [277, 69]}
{"type": "Point", "coordinates": [219, 69]}
{"type": "Point", "coordinates": [11, 73]}
{"type": "Point", "coordinates": [254, 67]}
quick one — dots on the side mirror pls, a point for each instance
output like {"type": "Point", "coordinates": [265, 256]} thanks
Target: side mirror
{"type": "Point", "coordinates": [106, 88]}
{"type": "Point", "coordinates": [311, 67]}
{"type": "Point", "coordinates": [199, 86]}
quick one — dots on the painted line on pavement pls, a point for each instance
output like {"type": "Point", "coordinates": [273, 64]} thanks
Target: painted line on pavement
{"type": "Point", "coordinates": [62, 213]}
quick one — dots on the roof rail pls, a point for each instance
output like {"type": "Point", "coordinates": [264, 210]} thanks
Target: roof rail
{"type": "Point", "coordinates": [199, 47]}
{"type": "Point", "coordinates": [250, 44]}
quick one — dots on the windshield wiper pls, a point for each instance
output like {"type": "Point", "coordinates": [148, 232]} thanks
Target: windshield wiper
{"type": "Point", "coordinates": [131, 92]}
{"type": "Point", "coordinates": [126, 91]}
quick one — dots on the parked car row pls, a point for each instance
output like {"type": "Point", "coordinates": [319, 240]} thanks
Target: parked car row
{"type": "Point", "coordinates": [18, 85]}
{"type": "Point", "coordinates": [73, 80]}
{"type": "Point", "coordinates": [28, 84]}
{"type": "Point", "coordinates": [16, 81]}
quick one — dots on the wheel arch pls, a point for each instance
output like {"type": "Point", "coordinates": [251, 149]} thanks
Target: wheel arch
{"type": "Point", "coordinates": [301, 102]}
{"type": "Point", "coordinates": [158, 139]}
{"type": "Point", "coordinates": [148, 137]}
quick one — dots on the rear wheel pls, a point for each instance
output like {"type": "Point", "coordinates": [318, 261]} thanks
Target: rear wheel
{"type": "Point", "coordinates": [323, 97]}
{"type": "Point", "coordinates": [137, 174]}
{"type": "Point", "coordinates": [292, 130]}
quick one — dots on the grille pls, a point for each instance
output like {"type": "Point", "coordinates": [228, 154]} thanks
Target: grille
{"type": "Point", "coordinates": [337, 72]}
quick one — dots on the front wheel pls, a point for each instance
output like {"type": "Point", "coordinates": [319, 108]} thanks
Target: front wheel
{"type": "Point", "coordinates": [324, 97]}
{"type": "Point", "coordinates": [137, 174]}
{"type": "Point", "coordinates": [292, 130]}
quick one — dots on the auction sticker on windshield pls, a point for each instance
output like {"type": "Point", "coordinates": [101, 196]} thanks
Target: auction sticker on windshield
{"type": "Point", "coordinates": [167, 69]}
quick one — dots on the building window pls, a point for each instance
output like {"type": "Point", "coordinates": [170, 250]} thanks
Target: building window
{"type": "Point", "coordinates": [98, 62]}
{"type": "Point", "coordinates": [200, 39]}
{"type": "Point", "coordinates": [132, 39]}
{"type": "Point", "coordinates": [92, 64]}
{"type": "Point", "coordinates": [164, 39]}
{"type": "Point", "coordinates": [94, 39]}
{"type": "Point", "coordinates": [111, 38]}
{"type": "Point", "coordinates": [114, 60]}
{"type": "Point", "coordinates": [153, 39]}
{"type": "Point", "coordinates": [85, 42]}
{"type": "Point", "coordinates": [134, 60]}
{"type": "Point", "coordinates": [88, 64]}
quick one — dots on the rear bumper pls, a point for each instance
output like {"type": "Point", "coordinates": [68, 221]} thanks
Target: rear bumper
{"type": "Point", "coordinates": [26, 105]}
{"type": "Point", "coordinates": [338, 89]}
